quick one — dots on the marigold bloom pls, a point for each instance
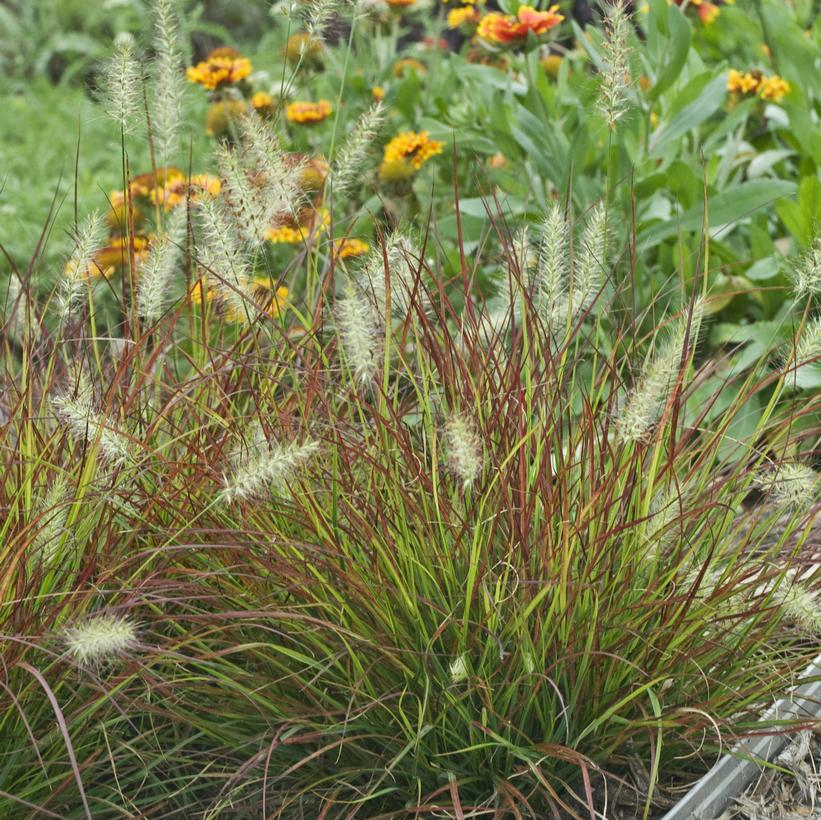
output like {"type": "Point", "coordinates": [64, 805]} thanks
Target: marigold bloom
{"type": "Point", "coordinates": [496, 27]}
{"type": "Point", "coordinates": [348, 248]}
{"type": "Point", "coordinates": [413, 148]}
{"type": "Point", "coordinates": [308, 113]}
{"type": "Point", "coordinates": [219, 71]}
{"type": "Point", "coordinates": [464, 15]}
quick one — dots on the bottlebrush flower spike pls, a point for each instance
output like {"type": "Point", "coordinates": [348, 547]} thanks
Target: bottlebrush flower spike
{"type": "Point", "coordinates": [101, 638]}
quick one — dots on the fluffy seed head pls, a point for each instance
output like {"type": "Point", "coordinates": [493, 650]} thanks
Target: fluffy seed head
{"type": "Point", "coordinates": [403, 258]}
{"type": "Point", "coordinates": [552, 268]}
{"type": "Point", "coordinates": [168, 81]}
{"type": "Point", "coordinates": [359, 332]}
{"type": "Point", "coordinates": [79, 416]}
{"type": "Point", "coordinates": [100, 638]}
{"type": "Point", "coordinates": [463, 448]}
{"type": "Point", "coordinates": [156, 275]}
{"type": "Point", "coordinates": [259, 466]}
{"type": "Point", "coordinates": [647, 400]}
{"type": "Point", "coordinates": [590, 262]}
{"type": "Point", "coordinates": [354, 150]}
{"type": "Point", "coordinates": [459, 669]}
{"type": "Point", "coordinates": [87, 241]}
{"type": "Point", "coordinates": [121, 86]}
{"type": "Point", "coordinates": [615, 81]}
{"type": "Point", "coordinates": [222, 256]}
{"type": "Point", "coordinates": [801, 606]}
{"type": "Point", "coordinates": [791, 486]}
{"type": "Point", "coordinates": [52, 510]}
{"type": "Point", "coordinates": [807, 277]}
{"type": "Point", "coordinates": [808, 344]}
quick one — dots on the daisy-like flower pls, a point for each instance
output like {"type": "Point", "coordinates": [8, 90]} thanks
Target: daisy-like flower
{"type": "Point", "coordinates": [178, 190]}
{"type": "Point", "coordinates": [308, 113]}
{"type": "Point", "coordinates": [349, 248]}
{"type": "Point", "coordinates": [219, 70]}
{"type": "Point", "coordinates": [462, 16]}
{"type": "Point", "coordinates": [406, 153]}
{"type": "Point", "coordinates": [496, 27]}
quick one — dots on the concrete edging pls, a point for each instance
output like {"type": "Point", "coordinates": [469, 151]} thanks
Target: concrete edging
{"type": "Point", "coordinates": [711, 795]}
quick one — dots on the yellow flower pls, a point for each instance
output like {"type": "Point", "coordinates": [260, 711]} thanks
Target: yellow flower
{"type": "Point", "coordinates": [773, 88]}
{"type": "Point", "coordinates": [413, 148]}
{"type": "Point", "coordinates": [201, 292]}
{"type": "Point", "coordinates": [310, 221]}
{"type": "Point", "coordinates": [262, 103]}
{"type": "Point", "coordinates": [378, 93]}
{"type": "Point", "coordinates": [270, 301]}
{"type": "Point", "coordinates": [743, 83]}
{"type": "Point", "coordinates": [223, 116]}
{"type": "Point", "coordinates": [497, 160]}
{"type": "Point", "coordinates": [348, 248]}
{"type": "Point", "coordinates": [400, 3]}
{"type": "Point", "coordinates": [219, 71]}
{"type": "Point", "coordinates": [463, 16]}
{"type": "Point", "coordinates": [177, 190]}
{"type": "Point", "coordinates": [302, 45]}
{"type": "Point", "coordinates": [401, 67]}
{"type": "Point", "coordinates": [308, 113]}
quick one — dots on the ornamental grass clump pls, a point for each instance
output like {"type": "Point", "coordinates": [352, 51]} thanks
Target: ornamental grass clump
{"type": "Point", "coordinates": [501, 571]}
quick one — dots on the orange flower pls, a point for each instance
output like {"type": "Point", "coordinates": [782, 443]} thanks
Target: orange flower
{"type": "Point", "coordinates": [308, 113]}
{"type": "Point", "coordinates": [398, 4]}
{"type": "Point", "coordinates": [401, 67]}
{"type": "Point", "coordinates": [218, 71]}
{"type": "Point", "coordinates": [505, 28]}
{"type": "Point", "coordinates": [708, 12]}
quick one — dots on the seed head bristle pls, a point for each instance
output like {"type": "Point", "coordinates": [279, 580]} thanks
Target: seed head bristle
{"type": "Point", "coordinates": [615, 80]}
{"type": "Point", "coordinates": [463, 449]}
{"type": "Point", "coordinates": [359, 331]}
{"type": "Point", "coordinates": [791, 486]}
{"type": "Point", "coordinates": [354, 151]}
{"type": "Point", "coordinates": [647, 400]}
{"type": "Point", "coordinates": [259, 466]}
{"type": "Point", "coordinates": [168, 81]}
{"type": "Point", "coordinates": [121, 86]}
{"type": "Point", "coordinates": [101, 638]}
{"type": "Point", "coordinates": [157, 272]}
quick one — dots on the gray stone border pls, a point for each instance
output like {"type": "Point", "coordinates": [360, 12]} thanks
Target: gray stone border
{"type": "Point", "coordinates": [711, 795]}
